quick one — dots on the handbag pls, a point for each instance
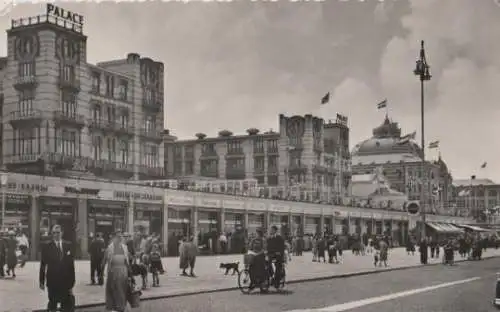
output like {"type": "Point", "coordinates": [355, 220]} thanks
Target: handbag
{"type": "Point", "coordinates": [133, 294]}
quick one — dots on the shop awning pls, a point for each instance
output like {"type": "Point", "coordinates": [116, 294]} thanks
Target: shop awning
{"type": "Point", "coordinates": [436, 227]}
{"type": "Point", "coordinates": [451, 228]}
{"type": "Point", "coordinates": [444, 227]}
{"type": "Point", "coordinates": [474, 228]}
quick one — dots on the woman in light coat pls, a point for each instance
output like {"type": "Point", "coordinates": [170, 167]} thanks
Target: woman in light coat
{"type": "Point", "coordinates": [117, 282]}
{"type": "Point", "coordinates": [187, 256]}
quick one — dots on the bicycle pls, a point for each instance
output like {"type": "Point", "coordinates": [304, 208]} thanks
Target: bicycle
{"type": "Point", "coordinates": [244, 281]}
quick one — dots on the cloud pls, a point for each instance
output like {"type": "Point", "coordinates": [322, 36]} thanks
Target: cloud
{"type": "Point", "coordinates": [462, 98]}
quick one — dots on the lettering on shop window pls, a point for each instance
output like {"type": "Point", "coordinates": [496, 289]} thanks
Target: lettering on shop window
{"type": "Point", "coordinates": [28, 187]}
{"type": "Point", "coordinates": [136, 196]}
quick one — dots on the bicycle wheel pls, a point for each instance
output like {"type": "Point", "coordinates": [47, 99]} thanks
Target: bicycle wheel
{"type": "Point", "coordinates": [244, 281]}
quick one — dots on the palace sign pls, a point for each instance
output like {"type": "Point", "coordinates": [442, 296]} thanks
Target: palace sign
{"type": "Point", "coordinates": [56, 11]}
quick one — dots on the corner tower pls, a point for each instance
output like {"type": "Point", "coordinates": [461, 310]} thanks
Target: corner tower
{"type": "Point", "coordinates": [45, 69]}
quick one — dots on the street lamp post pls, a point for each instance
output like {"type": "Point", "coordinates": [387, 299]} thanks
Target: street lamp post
{"type": "Point", "coordinates": [422, 72]}
{"type": "Point", "coordinates": [3, 180]}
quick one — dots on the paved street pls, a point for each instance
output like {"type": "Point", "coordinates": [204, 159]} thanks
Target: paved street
{"type": "Point", "coordinates": [465, 287]}
{"type": "Point", "coordinates": [22, 294]}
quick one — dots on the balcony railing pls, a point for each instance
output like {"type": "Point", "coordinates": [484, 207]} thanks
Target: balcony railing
{"type": "Point", "coordinates": [22, 82]}
{"type": "Point", "coordinates": [151, 171]}
{"type": "Point", "coordinates": [151, 105]}
{"type": "Point", "coordinates": [69, 118]}
{"type": "Point", "coordinates": [152, 134]}
{"type": "Point", "coordinates": [272, 150]}
{"type": "Point", "coordinates": [71, 84]}
{"type": "Point", "coordinates": [25, 116]}
{"type": "Point", "coordinates": [21, 159]}
{"type": "Point", "coordinates": [107, 125]}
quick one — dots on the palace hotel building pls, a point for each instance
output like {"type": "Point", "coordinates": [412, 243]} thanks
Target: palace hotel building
{"type": "Point", "coordinates": [80, 140]}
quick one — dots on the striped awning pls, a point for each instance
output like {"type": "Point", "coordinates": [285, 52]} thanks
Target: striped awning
{"type": "Point", "coordinates": [442, 227]}
{"type": "Point", "coordinates": [474, 228]}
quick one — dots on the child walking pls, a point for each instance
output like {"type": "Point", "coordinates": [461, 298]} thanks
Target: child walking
{"type": "Point", "coordinates": [156, 266]}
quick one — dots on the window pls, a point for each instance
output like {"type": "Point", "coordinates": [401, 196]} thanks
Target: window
{"type": "Point", "coordinates": [259, 164]}
{"type": "Point", "coordinates": [258, 145]}
{"type": "Point", "coordinates": [150, 158]}
{"type": "Point", "coordinates": [96, 82]}
{"type": "Point", "coordinates": [272, 163]}
{"type": "Point", "coordinates": [111, 149]}
{"type": "Point", "coordinates": [149, 96]}
{"type": "Point", "coordinates": [68, 73]}
{"type": "Point", "coordinates": [110, 86]}
{"type": "Point", "coordinates": [68, 103]}
{"type": "Point", "coordinates": [111, 113]}
{"type": "Point", "coordinates": [66, 142]}
{"type": "Point", "coordinates": [234, 147]}
{"type": "Point", "coordinates": [123, 151]}
{"type": "Point", "coordinates": [177, 151]}
{"type": "Point", "coordinates": [124, 119]}
{"type": "Point", "coordinates": [272, 180]}
{"type": "Point", "coordinates": [26, 69]}
{"type": "Point", "coordinates": [123, 90]}
{"type": "Point", "coordinates": [26, 141]}
{"type": "Point", "coordinates": [189, 167]}
{"type": "Point", "coordinates": [26, 98]}
{"type": "Point", "coordinates": [208, 149]}
{"type": "Point", "coordinates": [97, 112]}
{"type": "Point", "coordinates": [272, 146]}
{"type": "Point", "coordinates": [235, 164]}
{"type": "Point", "coordinates": [97, 147]}
{"type": "Point", "coordinates": [189, 151]}
{"type": "Point", "coordinates": [178, 168]}
{"type": "Point", "coordinates": [149, 122]}
{"type": "Point", "coordinates": [209, 167]}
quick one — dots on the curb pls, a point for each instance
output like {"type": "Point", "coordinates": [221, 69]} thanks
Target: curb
{"type": "Point", "coordinates": [296, 281]}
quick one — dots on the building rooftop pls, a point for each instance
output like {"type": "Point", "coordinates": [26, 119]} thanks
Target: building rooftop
{"type": "Point", "coordinates": [474, 182]}
{"type": "Point", "coordinates": [384, 159]}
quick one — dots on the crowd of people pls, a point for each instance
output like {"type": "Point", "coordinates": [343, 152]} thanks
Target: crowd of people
{"type": "Point", "coordinates": [13, 251]}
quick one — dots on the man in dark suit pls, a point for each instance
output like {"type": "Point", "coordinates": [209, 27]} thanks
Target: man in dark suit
{"type": "Point", "coordinates": [57, 271]}
{"type": "Point", "coordinates": [96, 251]}
{"type": "Point", "coordinates": [276, 251]}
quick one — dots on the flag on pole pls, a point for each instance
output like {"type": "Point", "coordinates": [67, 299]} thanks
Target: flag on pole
{"type": "Point", "coordinates": [434, 144]}
{"type": "Point", "coordinates": [382, 104]}
{"type": "Point", "coordinates": [484, 165]}
{"type": "Point", "coordinates": [341, 119]}
{"type": "Point", "coordinates": [407, 138]}
{"type": "Point", "coordinates": [325, 99]}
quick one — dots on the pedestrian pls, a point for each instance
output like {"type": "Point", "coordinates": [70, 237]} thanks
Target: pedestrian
{"type": "Point", "coordinates": [223, 243]}
{"type": "Point", "coordinates": [410, 246]}
{"type": "Point", "coordinates": [155, 265]}
{"type": "Point", "coordinates": [96, 251]}
{"type": "Point", "coordinates": [187, 256]}
{"type": "Point", "coordinates": [3, 254]}
{"type": "Point", "coordinates": [321, 247]}
{"type": "Point", "coordinates": [384, 252]}
{"type": "Point", "coordinates": [117, 283]}
{"type": "Point", "coordinates": [432, 245]}
{"type": "Point", "coordinates": [424, 250]}
{"type": "Point", "coordinates": [23, 243]}
{"type": "Point", "coordinates": [57, 272]}
{"type": "Point", "coordinates": [11, 256]}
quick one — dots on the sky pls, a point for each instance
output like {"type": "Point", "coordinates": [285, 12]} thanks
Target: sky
{"type": "Point", "coordinates": [239, 65]}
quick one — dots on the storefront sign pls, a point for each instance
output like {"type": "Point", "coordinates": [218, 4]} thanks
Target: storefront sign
{"type": "Point", "coordinates": [83, 191]}
{"type": "Point", "coordinates": [104, 223]}
{"type": "Point", "coordinates": [355, 214]}
{"type": "Point", "coordinates": [136, 196]}
{"type": "Point", "coordinates": [17, 199]}
{"type": "Point", "coordinates": [208, 203]}
{"type": "Point", "coordinates": [233, 204]}
{"type": "Point", "coordinates": [56, 11]}
{"type": "Point", "coordinates": [313, 210]}
{"type": "Point", "coordinates": [279, 208]}
{"type": "Point", "coordinates": [256, 206]}
{"type": "Point", "coordinates": [366, 215]}
{"type": "Point", "coordinates": [180, 200]}
{"type": "Point", "coordinates": [27, 187]}
{"type": "Point", "coordinates": [148, 207]}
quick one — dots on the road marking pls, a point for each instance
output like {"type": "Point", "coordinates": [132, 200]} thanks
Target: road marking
{"type": "Point", "coordinates": [364, 302]}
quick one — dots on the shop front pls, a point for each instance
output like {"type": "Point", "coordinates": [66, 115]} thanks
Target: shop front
{"type": "Point", "coordinates": [17, 213]}
{"type": "Point", "coordinates": [179, 226]}
{"type": "Point", "coordinates": [208, 231]}
{"type": "Point", "coordinates": [148, 219]}
{"type": "Point", "coordinates": [370, 225]}
{"type": "Point", "coordinates": [61, 211]}
{"type": "Point", "coordinates": [255, 221]}
{"type": "Point", "coordinates": [312, 225]}
{"type": "Point", "coordinates": [105, 217]}
{"type": "Point", "coordinates": [296, 226]}
{"type": "Point", "coordinates": [281, 222]}
{"type": "Point", "coordinates": [327, 226]}
{"type": "Point", "coordinates": [233, 222]}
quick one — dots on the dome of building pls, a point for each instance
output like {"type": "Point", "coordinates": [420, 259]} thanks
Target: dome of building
{"type": "Point", "coordinates": [386, 139]}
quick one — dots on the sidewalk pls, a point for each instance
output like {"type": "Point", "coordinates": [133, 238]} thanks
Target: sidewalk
{"type": "Point", "coordinates": [23, 294]}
